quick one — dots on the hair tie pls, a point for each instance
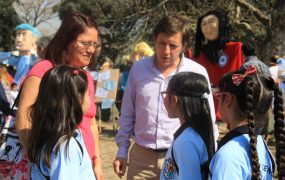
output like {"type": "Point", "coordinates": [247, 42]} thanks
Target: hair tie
{"type": "Point", "coordinates": [75, 72]}
{"type": "Point", "coordinates": [205, 95]}
{"type": "Point", "coordinates": [238, 78]}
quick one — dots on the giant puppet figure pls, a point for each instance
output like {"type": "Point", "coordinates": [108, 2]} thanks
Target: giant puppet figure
{"type": "Point", "coordinates": [13, 162]}
{"type": "Point", "coordinates": [213, 49]}
{"type": "Point", "coordinates": [26, 37]}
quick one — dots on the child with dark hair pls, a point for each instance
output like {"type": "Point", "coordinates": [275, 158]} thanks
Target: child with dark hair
{"type": "Point", "coordinates": [186, 98]}
{"type": "Point", "coordinates": [251, 59]}
{"type": "Point", "coordinates": [243, 97]}
{"type": "Point", "coordinates": [56, 148]}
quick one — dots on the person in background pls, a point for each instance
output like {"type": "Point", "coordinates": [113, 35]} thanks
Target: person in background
{"type": "Point", "coordinates": [5, 109]}
{"type": "Point", "coordinates": [106, 64]}
{"type": "Point", "coordinates": [143, 113]}
{"type": "Point", "coordinates": [13, 93]}
{"type": "Point", "coordinates": [42, 43]}
{"type": "Point", "coordinates": [242, 153]}
{"type": "Point", "coordinates": [273, 67]}
{"type": "Point", "coordinates": [73, 45]}
{"type": "Point", "coordinates": [186, 98]}
{"type": "Point", "coordinates": [107, 114]}
{"type": "Point", "coordinates": [251, 59]}
{"type": "Point", "coordinates": [125, 74]}
{"type": "Point", "coordinates": [6, 80]}
{"type": "Point", "coordinates": [213, 49]}
{"type": "Point", "coordinates": [141, 50]}
{"type": "Point", "coordinates": [63, 155]}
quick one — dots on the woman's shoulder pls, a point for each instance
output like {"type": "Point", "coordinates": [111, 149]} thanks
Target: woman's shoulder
{"type": "Point", "coordinates": [40, 68]}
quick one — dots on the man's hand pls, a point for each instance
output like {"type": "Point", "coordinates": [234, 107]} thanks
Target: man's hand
{"type": "Point", "coordinates": [120, 165]}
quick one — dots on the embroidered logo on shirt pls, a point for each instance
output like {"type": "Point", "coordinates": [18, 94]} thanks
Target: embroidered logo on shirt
{"type": "Point", "coordinates": [223, 60]}
{"type": "Point", "coordinates": [265, 168]}
{"type": "Point", "coordinates": [169, 169]}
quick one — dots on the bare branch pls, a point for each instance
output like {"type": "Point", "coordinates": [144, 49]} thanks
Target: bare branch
{"type": "Point", "coordinates": [142, 12]}
{"type": "Point", "coordinates": [35, 12]}
{"type": "Point", "coordinates": [265, 20]}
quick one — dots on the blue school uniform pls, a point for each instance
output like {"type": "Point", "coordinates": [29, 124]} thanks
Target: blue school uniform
{"type": "Point", "coordinates": [232, 160]}
{"type": "Point", "coordinates": [189, 152]}
{"type": "Point", "coordinates": [76, 165]}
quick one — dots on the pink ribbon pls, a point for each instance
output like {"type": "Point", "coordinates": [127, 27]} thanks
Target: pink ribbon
{"type": "Point", "coordinates": [238, 78]}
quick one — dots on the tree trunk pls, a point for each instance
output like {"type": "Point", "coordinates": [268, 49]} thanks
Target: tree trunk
{"type": "Point", "coordinates": [275, 41]}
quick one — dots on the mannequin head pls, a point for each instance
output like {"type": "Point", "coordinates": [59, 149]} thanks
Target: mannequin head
{"type": "Point", "coordinates": [212, 27]}
{"type": "Point", "coordinates": [26, 37]}
{"type": "Point", "coordinates": [216, 21]}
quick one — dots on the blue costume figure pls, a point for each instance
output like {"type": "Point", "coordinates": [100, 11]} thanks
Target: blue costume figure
{"type": "Point", "coordinates": [25, 57]}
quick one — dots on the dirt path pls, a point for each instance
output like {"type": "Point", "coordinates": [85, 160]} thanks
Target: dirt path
{"type": "Point", "coordinates": [109, 149]}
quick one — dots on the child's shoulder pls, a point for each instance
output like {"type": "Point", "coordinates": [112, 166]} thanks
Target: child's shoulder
{"type": "Point", "coordinates": [191, 139]}
{"type": "Point", "coordinates": [74, 148]}
{"type": "Point", "coordinates": [235, 149]}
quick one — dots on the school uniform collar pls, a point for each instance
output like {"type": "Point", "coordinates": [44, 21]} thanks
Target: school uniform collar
{"type": "Point", "coordinates": [232, 134]}
{"type": "Point", "coordinates": [240, 131]}
{"type": "Point", "coordinates": [180, 130]}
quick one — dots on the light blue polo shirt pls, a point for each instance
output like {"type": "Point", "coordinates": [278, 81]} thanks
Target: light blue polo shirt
{"type": "Point", "coordinates": [189, 152]}
{"type": "Point", "coordinates": [232, 160]}
{"type": "Point", "coordinates": [76, 166]}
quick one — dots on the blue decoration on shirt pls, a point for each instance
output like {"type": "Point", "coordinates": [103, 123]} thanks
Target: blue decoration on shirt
{"type": "Point", "coordinates": [223, 60]}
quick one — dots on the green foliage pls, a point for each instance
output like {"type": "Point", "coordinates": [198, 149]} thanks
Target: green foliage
{"type": "Point", "coordinates": [126, 22]}
{"type": "Point", "coordinates": [8, 21]}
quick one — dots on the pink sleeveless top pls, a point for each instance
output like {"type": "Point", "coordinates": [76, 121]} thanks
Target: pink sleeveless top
{"type": "Point", "coordinates": [38, 70]}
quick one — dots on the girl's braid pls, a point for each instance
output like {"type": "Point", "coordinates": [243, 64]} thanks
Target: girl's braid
{"type": "Point", "coordinates": [252, 135]}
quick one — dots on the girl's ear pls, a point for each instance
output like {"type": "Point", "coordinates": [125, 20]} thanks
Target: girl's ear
{"type": "Point", "coordinates": [229, 100]}
{"type": "Point", "coordinates": [174, 99]}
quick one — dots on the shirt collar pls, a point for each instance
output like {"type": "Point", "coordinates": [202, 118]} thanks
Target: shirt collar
{"type": "Point", "coordinates": [180, 130]}
{"type": "Point", "coordinates": [181, 63]}
{"type": "Point", "coordinates": [232, 134]}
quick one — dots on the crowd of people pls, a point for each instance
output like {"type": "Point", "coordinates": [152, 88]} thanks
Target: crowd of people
{"type": "Point", "coordinates": [171, 105]}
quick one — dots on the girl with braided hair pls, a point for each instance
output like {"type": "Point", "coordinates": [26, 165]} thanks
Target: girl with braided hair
{"type": "Point", "coordinates": [186, 98]}
{"type": "Point", "coordinates": [242, 153]}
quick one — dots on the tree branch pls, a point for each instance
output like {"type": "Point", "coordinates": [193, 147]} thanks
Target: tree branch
{"type": "Point", "coordinates": [141, 12]}
{"type": "Point", "coordinates": [265, 20]}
